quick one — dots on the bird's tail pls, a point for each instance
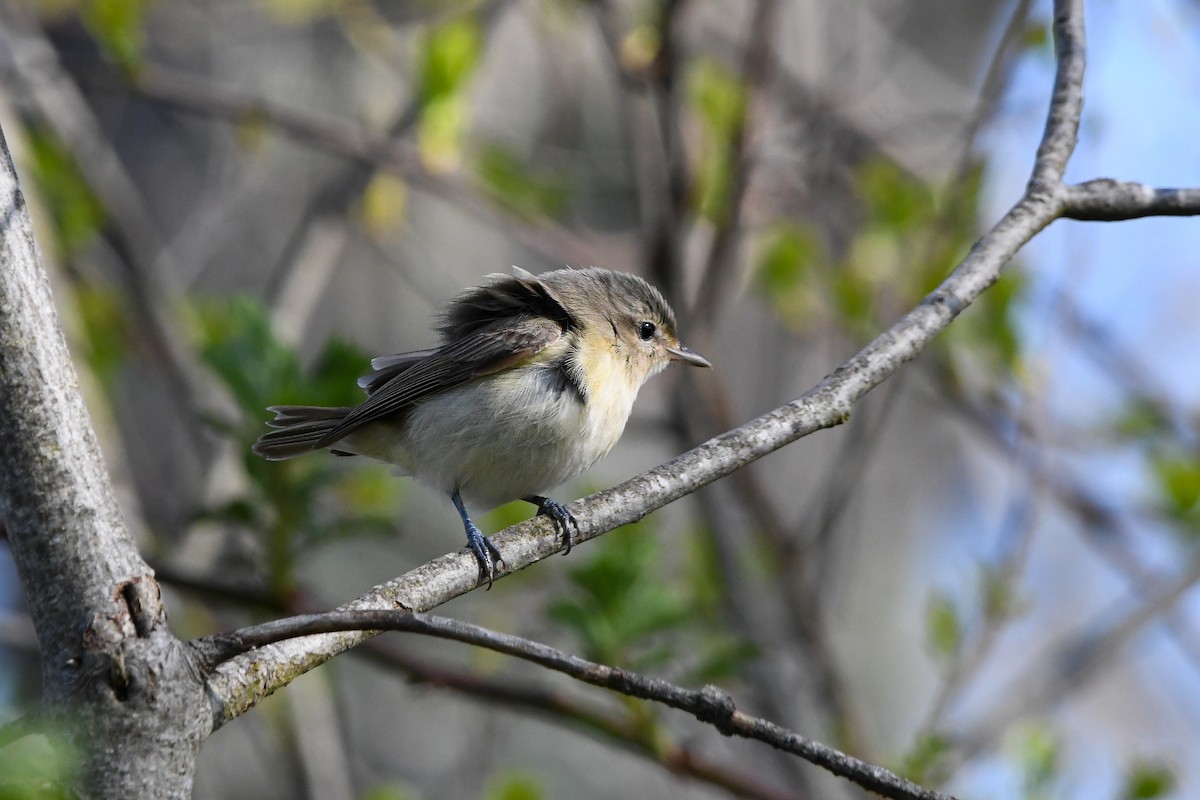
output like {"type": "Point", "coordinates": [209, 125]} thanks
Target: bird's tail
{"type": "Point", "coordinates": [297, 430]}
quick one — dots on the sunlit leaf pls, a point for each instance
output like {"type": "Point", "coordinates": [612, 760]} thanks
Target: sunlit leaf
{"type": "Point", "coordinates": [1038, 757]}
{"type": "Point", "coordinates": [943, 626]}
{"type": "Point", "coordinates": [1179, 482]}
{"type": "Point", "coordinates": [515, 785]}
{"type": "Point", "coordinates": [446, 60]}
{"type": "Point", "coordinates": [384, 204]}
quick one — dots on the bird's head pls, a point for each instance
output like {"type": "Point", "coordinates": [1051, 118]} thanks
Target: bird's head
{"type": "Point", "coordinates": [622, 318]}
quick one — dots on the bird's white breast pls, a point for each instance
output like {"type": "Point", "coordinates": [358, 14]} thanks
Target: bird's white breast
{"type": "Point", "coordinates": [510, 434]}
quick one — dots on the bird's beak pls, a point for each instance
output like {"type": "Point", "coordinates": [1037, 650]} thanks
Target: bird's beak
{"type": "Point", "coordinates": [685, 354]}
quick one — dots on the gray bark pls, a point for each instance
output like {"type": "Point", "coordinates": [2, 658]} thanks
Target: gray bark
{"type": "Point", "coordinates": [111, 670]}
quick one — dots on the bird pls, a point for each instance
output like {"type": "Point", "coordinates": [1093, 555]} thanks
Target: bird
{"type": "Point", "coordinates": [531, 383]}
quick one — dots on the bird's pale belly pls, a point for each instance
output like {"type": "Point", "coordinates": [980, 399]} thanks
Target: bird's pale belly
{"type": "Point", "coordinates": [497, 440]}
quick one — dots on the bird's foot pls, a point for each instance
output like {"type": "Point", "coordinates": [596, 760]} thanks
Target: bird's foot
{"type": "Point", "coordinates": [563, 519]}
{"type": "Point", "coordinates": [485, 553]}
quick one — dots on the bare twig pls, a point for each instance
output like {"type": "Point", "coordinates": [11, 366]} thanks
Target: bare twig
{"type": "Point", "coordinates": [1072, 663]}
{"type": "Point", "coordinates": [562, 709]}
{"type": "Point", "coordinates": [195, 95]}
{"type": "Point", "coordinates": [758, 63]}
{"type": "Point", "coordinates": [709, 705]}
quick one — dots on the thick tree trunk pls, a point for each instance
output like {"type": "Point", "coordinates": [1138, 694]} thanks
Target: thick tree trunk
{"type": "Point", "coordinates": [133, 705]}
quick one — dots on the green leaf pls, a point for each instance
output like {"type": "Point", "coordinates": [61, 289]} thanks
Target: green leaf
{"type": "Point", "coordinates": [922, 763]}
{"type": "Point", "coordinates": [1139, 419]}
{"type": "Point", "coordinates": [722, 660]}
{"type": "Point", "coordinates": [1147, 781]}
{"type": "Point", "coordinates": [75, 211]}
{"type": "Point", "coordinates": [617, 607]}
{"type": "Point", "coordinates": [515, 785]}
{"type": "Point", "coordinates": [333, 380]}
{"type": "Point", "coordinates": [519, 187]}
{"type": "Point", "coordinates": [785, 274]}
{"type": "Point", "coordinates": [391, 793]}
{"type": "Point", "coordinates": [236, 340]}
{"type": "Point", "coordinates": [384, 204]}
{"type": "Point", "coordinates": [106, 330]}
{"type": "Point", "coordinates": [241, 511]}
{"type": "Point", "coordinates": [37, 767]}
{"type": "Point", "coordinates": [297, 12]}
{"type": "Point", "coordinates": [718, 97]}
{"type": "Point", "coordinates": [1038, 755]}
{"type": "Point", "coordinates": [1178, 482]}
{"type": "Point", "coordinates": [998, 599]}
{"type": "Point", "coordinates": [895, 198]}
{"type": "Point", "coordinates": [119, 28]}
{"type": "Point", "coordinates": [447, 59]}
{"type": "Point", "coordinates": [943, 626]}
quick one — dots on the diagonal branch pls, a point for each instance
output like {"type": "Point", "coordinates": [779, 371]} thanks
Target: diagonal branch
{"type": "Point", "coordinates": [710, 705]}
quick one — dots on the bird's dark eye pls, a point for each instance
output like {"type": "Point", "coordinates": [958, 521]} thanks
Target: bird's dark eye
{"type": "Point", "coordinates": [645, 330]}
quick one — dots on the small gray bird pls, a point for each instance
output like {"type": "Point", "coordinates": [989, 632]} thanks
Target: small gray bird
{"type": "Point", "coordinates": [532, 383]}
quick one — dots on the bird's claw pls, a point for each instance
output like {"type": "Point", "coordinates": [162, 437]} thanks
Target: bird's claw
{"type": "Point", "coordinates": [563, 520]}
{"type": "Point", "coordinates": [485, 553]}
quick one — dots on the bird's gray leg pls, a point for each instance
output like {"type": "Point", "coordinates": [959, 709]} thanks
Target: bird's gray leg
{"type": "Point", "coordinates": [564, 520]}
{"type": "Point", "coordinates": [485, 552]}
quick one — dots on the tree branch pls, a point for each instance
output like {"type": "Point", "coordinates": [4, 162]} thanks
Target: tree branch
{"type": "Point", "coordinates": [107, 656]}
{"type": "Point", "coordinates": [710, 705]}
{"type": "Point", "coordinates": [1109, 200]}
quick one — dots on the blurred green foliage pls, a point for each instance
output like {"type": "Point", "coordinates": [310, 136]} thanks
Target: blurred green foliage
{"type": "Point", "coordinates": [788, 255]}
{"type": "Point", "coordinates": [36, 767]}
{"type": "Point", "coordinates": [943, 626]}
{"type": "Point", "coordinates": [447, 59]}
{"type": "Point", "coordinates": [307, 501]}
{"type": "Point", "coordinates": [75, 212]}
{"type": "Point", "coordinates": [1037, 756]}
{"type": "Point", "coordinates": [624, 613]}
{"type": "Point", "coordinates": [107, 337]}
{"type": "Point", "coordinates": [515, 785]}
{"type": "Point", "coordinates": [909, 238]}
{"type": "Point", "coordinates": [1148, 781]}
{"type": "Point", "coordinates": [119, 28]}
{"type": "Point", "coordinates": [390, 792]}
{"type": "Point", "coordinates": [924, 763]}
{"type": "Point", "coordinates": [718, 98]}
{"type": "Point", "coordinates": [523, 189]}
{"type": "Point", "coordinates": [1178, 478]}
{"type": "Point", "coordinates": [384, 204]}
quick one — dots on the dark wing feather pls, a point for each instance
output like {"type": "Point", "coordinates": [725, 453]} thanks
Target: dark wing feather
{"type": "Point", "coordinates": [500, 345]}
{"type": "Point", "coordinates": [385, 368]}
{"type": "Point", "coordinates": [503, 296]}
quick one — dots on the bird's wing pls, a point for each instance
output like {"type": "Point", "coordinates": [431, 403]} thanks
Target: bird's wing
{"type": "Point", "coordinates": [384, 368]}
{"type": "Point", "coordinates": [503, 344]}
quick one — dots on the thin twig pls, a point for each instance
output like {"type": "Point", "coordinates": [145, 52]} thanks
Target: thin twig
{"type": "Point", "coordinates": [758, 64]}
{"type": "Point", "coordinates": [573, 715]}
{"type": "Point", "coordinates": [709, 705]}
